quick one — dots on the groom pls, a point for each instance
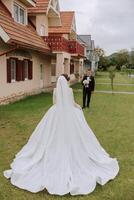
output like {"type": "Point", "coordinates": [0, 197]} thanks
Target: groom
{"type": "Point", "coordinates": [88, 83]}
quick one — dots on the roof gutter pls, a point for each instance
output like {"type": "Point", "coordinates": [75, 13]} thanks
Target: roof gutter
{"type": "Point", "coordinates": [9, 51]}
{"type": "Point", "coordinates": [31, 47]}
{"type": "Point", "coordinates": [4, 35]}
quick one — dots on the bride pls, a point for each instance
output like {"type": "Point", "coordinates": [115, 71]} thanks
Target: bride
{"type": "Point", "coordinates": [62, 155]}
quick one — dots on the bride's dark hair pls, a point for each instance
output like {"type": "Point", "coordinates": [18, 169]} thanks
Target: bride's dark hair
{"type": "Point", "coordinates": [66, 76]}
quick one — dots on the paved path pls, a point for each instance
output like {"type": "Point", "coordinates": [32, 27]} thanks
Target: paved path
{"type": "Point", "coordinates": [114, 92]}
{"type": "Point", "coordinates": [123, 84]}
{"type": "Point", "coordinates": [107, 92]}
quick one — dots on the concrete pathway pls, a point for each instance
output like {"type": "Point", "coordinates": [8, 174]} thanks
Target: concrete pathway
{"type": "Point", "coordinates": [120, 84]}
{"type": "Point", "coordinates": [106, 91]}
{"type": "Point", "coordinates": [114, 92]}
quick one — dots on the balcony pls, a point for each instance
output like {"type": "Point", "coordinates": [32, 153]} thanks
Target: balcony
{"type": "Point", "coordinates": [76, 48]}
{"type": "Point", "coordinates": [59, 43]}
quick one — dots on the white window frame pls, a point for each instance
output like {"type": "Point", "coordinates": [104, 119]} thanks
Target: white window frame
{"type": "Point", "coordinates": [13, 70]}
{"type": "Point", "coordinates": [18, 19]}
{"type": "Point", "coordinates": [25, 70]}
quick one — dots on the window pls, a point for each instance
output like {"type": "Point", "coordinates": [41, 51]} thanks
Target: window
{"type": "Point", "coordinates": [19, 70]}
{"type": "Point", "coordinates": [25, 69]}
{"type": "Point", "coordinates": [22, 16]}
{"type": "Point", "coordinates": [16, 13]}
{"type": "Point", "coordinates": [13, 70]}
{"type": "Point", "coordinates": [53, 67]}
{"type": "Point", "coordinates": [19, 14]}
{"type": "Point", "coordinates": [71, 68]}
{"type": "Point", "coordinates": [41, 71]}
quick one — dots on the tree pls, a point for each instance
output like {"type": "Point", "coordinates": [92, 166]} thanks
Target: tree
{"type": "Point", "coordinates": [112, 72]}
{"type": "Point", "coordinates": [123, 69]}
{"type": "Point", "coordinates": [119, 59]}
{"type": "Point", "coordinates": [131, 62]}
{"type": "Point", "coordinates": [103, 63]}
{"type": "Point", "coordinates": [99, 51]}
{"type": "Point", "coordinates": [103, 60]}
{"type": "Point", "coordinates": [131, 58]}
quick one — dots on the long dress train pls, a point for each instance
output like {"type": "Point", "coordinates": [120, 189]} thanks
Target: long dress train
{"type": "Point", "coordinates": [62, 155]}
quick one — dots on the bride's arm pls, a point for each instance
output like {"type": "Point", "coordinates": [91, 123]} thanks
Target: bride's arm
{"type": "Point", "coordinates": [54, 96]}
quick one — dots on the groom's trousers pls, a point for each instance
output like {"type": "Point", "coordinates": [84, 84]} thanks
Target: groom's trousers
{"type": "Point", "coordinates": [86, 97]}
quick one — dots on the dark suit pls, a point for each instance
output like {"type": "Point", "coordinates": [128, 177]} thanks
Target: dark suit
{"type": "Point", "coordinates": [87, 90]}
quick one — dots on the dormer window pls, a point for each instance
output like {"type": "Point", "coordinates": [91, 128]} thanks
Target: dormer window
{"type": "Point", "coordinates": [19, 14]}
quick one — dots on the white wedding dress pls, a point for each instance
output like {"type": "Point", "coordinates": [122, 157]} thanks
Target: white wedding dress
{"type": "Point", "coordinates": [62, 155]}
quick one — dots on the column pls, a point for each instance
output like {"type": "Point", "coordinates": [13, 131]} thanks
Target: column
{"type": "Point", "coordinates": [59, 64]}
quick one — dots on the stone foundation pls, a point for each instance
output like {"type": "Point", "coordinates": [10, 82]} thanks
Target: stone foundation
{"type": "Point", "coordinates": [21, 95]}
{"type": "Point", "coordinates": [16, 97]}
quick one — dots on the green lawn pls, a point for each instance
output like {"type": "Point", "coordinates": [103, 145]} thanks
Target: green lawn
{"type": "Point", "coordinates": [117, 88]}
{"type": "Point", "coordinates": [103, 77]}
{"type": "Point", "coordinates": [112, 119]}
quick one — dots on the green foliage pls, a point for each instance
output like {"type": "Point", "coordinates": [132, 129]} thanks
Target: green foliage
{"type": "Point", "coordinates": [119, 59]}
{"type": "Point", "coordinates": [103, 63]}
{"type": "Point", "coordinates": [123, 68]}
{"type": "Point", "coordinates": [131, 58]}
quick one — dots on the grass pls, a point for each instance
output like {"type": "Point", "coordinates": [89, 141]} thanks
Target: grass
{"type": "Point", "coordinates": [103, 77]}
{"type": "Point", "coordinates": [110, 117]}
{"type": "Point", "coordinates": [117, 88]}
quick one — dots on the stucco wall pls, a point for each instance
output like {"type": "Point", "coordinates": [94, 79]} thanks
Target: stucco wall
{"type": "Point", "coordinates": [61, 64]}
{"type": "Point", "coordinates": [53, 21]}
{"type": "Point", "coordinates": [66, 36]}
{"type": "Point", "coordinates": [41, 19]}
{"type": "Point", "coordinates": [8, 90]}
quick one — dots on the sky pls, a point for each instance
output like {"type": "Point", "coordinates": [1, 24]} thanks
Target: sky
{"type": "Point", "coordinates": [109, 22]}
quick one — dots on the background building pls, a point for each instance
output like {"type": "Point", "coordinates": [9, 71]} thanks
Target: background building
{"type": "Point", "coordinates": [92, 58]}
{"type": "Point", "coordinates": [38, 42]}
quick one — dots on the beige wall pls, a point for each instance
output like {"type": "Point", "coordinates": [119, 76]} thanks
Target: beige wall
{"type": "Point", "coordinates": [41, 19]}
{"type": "Point", "coordinates": [73, 35]}
{"type": "Point", "coordinates": [53, 21]}
{"type": "Point", "coordinates": [28, 86]}
{"type": "Point", "coordinates": [62, 60]}
{"type": "Point", "coordinates": [67, 66]}
{"type": "Point", "coordinates": [66, 36]}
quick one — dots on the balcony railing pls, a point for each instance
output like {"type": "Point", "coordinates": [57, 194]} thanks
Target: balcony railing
{"type": "Point", "coordinates": [76, 48]}
{"type": "Point", "coordinates": [59, 43]}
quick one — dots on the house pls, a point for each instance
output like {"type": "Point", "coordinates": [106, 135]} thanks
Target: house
{"type": "Point", "coordinates": [38, 42]}
{"type": "Point", "coordinates": [92, 58]}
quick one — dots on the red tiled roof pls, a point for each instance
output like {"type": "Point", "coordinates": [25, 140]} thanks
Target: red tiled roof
{"type": "Point", "coordinates": [66, 21]}
{"type": "Point", "coordinates": [41, 7]}
{"type": "Point", "coordinates": [20, 34]}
